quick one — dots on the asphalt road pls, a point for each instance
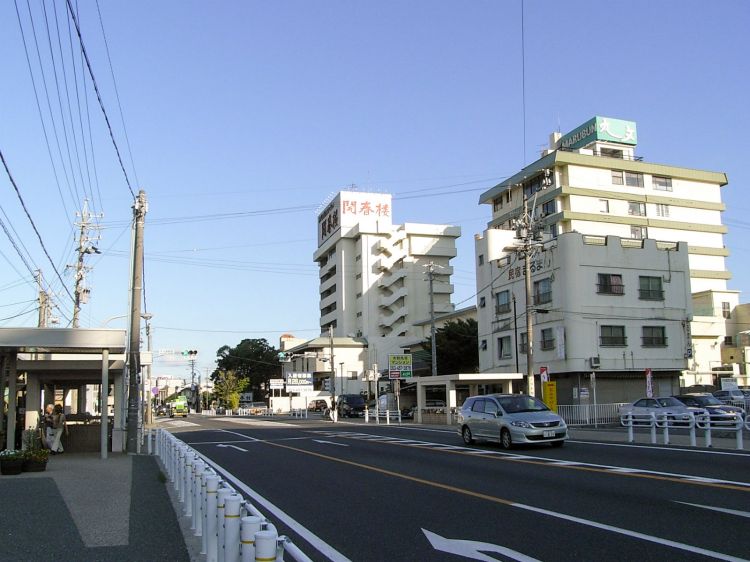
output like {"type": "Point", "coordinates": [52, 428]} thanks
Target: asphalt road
{"type": "Point", "coordinates": [366, 492]}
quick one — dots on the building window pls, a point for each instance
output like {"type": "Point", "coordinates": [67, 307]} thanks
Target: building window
{"type": "Point", "coordinates": [725, 311]}
{"type": "Point", "coordinates": [359, 314]}
{"type": "Point", "coordinates": [358, 276]}
{"type": "Point", "coordinates": [358, 295]}
{"type": "Point", "coordinates": [638, 232]}
{"type": "Point", "coordinates": [728, 340]}
{"type": "Point", "coordinates": [503, 348]}
{"type": "Point", "coordinates": [358, 258]}
{"type": "Point", "coordinates": [523, 342]}
{"type": "Point", "coordinates": [502, 302]}
{"type": "Point", "coordinates": [662, 184]}
{"type": "Point", "coordinates": [548, 339]}
{"type": "Point", "coordinates": [482, 302]}
{"type": "Point", "coordinates": [654, 336]}
{"type": "Point", "coordinates": [497, 204]}
{"type": "Point", "coordinates": [634, 179]}
{"type": "Point", "coordinates": [603, 205]}
{"type": "Point", "coordinates": [613, 336]}
{"type": "Point", "coordinates": [650, 288]}
{"type": "Point", "coordinates": [636, 209]}
{"type": "Point", "coordinates": [554, 230]}
{"type": "Point", "coordinates": [483, 345]}
{"type": "Point", "coordinates": [543, 291]}
{"type": "Point", "coordinates": [610, 284]}
{"type": "Point", "coordinates": [508, 196]}
{"type": "Point", "coordinates": [480, 259]}
{"type": "Point", "coordinates": [549, 208]}
{"type": "Point", "coordinates": [662, 210]}
{"type": "Point", "coordinates": [617, 177]}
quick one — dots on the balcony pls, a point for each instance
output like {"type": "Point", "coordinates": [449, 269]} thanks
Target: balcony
{"type": "Point", "coordinates": [651, 294]}
{"type": "Point", "coordinates": [607, 289]}
{"type": "Point", "coordinates": [503, 308]}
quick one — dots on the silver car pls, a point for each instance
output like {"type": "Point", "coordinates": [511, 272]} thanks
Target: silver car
{"type": "Point", "coordinates": [675, 410]}
{"type": "Point", "coordinates": [510, 419]}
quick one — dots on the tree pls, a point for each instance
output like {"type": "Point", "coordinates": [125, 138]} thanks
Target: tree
{"type": "Point", "coordinates": [227, 387]}
{"type": "Point", "coordinates": [457, 347]}
{"type": "Point", "coordinates": [253, 360]}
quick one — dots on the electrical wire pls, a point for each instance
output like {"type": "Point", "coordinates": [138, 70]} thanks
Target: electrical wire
{"type": "Point", "coordinates": [33, 225]}
{"type": "Point", "coordinates": [99, 97]}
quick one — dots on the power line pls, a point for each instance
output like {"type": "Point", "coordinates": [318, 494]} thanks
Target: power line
{"type": "Point", "coordinates": [33, 225]}
{"type": "Point", "coordinates": [99, 97]}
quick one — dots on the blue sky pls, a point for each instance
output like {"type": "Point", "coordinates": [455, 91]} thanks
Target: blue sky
{"type": "Point", "coordinates": [242, 117]}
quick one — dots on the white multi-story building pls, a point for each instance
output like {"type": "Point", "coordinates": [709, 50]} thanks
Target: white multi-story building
{"type": "Point", "coordinates": [374, 274]}
{"type": "Point", "coordinates": [596, 185]}
{"type": "Point", "coordinates": [601, 303]}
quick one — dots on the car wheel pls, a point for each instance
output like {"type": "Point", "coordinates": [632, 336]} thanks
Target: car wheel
{"type": "Point", "coordinates": [466, 435]}
{"type": "Point", "coordinates": [505, 440]}
{"type": "Point", "coordinates": [557, 444]}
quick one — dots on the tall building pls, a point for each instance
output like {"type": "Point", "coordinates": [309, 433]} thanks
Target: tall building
{"type": "Point", "coordinates": [597, 185]}
{"type": "Point", "coordinates": [374, 274]}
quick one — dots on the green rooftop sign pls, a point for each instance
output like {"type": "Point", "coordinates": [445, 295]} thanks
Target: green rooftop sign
{"type": "Point", "coordinates": [601, 128]}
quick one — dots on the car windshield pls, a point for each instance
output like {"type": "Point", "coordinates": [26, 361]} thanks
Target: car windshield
{"type": "Point", "coordinates": [669, 401]}
{"type": "Point", "coordinates": [354, 400]}
{"type": "Point", "coordinates": [517, 404]}
{"type": "Point", "coordinates": [708, 401]}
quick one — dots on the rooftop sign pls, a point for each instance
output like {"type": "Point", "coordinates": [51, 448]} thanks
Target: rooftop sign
{"type": "Point", "coordinates": [602, 129]}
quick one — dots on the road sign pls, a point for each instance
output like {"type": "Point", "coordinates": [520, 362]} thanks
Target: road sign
{"type": "Point", "coordinates": [544, 374]}
{"type": "Point", "coordinates": [154, 390]}
{"type": "Point", "coordinates": [399, 366]}
{"type": "Point", "coordinates": [276, 383]}
{"type": "Point", "coordinates": [299, 382]}
{"type": "Point", "coordinates": [649, 384]}
{"type": "Point", "coordinates": [584, 393]}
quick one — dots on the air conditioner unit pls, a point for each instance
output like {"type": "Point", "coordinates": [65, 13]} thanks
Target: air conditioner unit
{"type": "Point", "coordinates": [595, 362]}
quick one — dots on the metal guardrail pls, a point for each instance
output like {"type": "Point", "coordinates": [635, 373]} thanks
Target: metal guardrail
{"type": "Point", "coordinates": [387, 415]}
{"type": "Point", "coordinates": [590, 414]}
{"type": "Point", "coordinates": [231, 528]}
{"type": "Point", "coordinates": [692, 422]}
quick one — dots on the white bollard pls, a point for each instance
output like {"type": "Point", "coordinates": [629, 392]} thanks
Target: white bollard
{"type": "Point", "coordinates": [738, 429]}
{"type": "Point", "coordinates": [203, 523]}
{"type": "Point", "coordinates": [249, 526]}
{"type": "Point", "coordinates": [265, 546]}
{"type": "Point", "coordinates": [629, 419]}
{"type": "Point", "coordinates": [196, 524]}
{"type": "Point", "coordinates": [232, 528]}
{"type": "Point", "coordinates": [188, 484]}
{"type": "Point", "coordinates": [212, 488]}
{"type": "Point", "coordinates": [221, 499]}
{"type": "Point", "coordinates": [149, 448]}
{"type": "Point", "coordinates": [387, 417]}
{"type": "Point", "coordinates": [653, 429]}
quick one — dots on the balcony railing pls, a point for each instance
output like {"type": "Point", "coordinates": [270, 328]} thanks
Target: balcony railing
{"type": "Point", "coordinates": [543, 298]}
{"type": "Point", "coordinates": [651, 294]}
{"type": "Point", "coordinates": [548, 344]}
{"type": "Point", "coordinates": [654, 341]}
{"type": "Point", "coordinates": [502, 308]}
{"type": "Point", "coordinates": [613, 341]}
{"type": "Point", "coordinates": [607, 289]}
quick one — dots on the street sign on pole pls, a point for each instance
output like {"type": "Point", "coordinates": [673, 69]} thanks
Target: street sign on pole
{"type": "Point", "coordinates": [399, 366]}
{"type": "Point", "coordinates": [544, 374]}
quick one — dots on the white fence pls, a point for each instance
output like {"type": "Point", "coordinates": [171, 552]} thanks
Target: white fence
{"type": "Point", "coordinates": [590, 414]}
{"type": "Point", "coordinates": [231, 528]}
{"type": "Point", "coordinates": [692, 422]}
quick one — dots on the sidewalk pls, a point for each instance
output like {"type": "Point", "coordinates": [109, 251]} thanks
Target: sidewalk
{"type": "Point", "coordinates": [680, 437]}
{"type": "Point", "coordinates": [86, 508]}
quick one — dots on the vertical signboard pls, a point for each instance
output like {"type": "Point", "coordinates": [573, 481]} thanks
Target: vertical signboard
{"type": "Point", "coordinates": [399, 366]}
{"type": "Point", "coordinates": [649, 384]}
{"type": "Point", "coordinates": [549, 391]}
{"type": "Point", "coordinates": [543, 374]}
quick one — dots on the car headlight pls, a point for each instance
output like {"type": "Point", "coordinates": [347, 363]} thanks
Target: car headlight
{"type": "Point", "coordinates": [523, 424]}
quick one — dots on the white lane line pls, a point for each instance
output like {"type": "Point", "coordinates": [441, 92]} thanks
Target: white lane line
{"type": "Point", "coordinates": [233, 447]}
{"type": "Point", "coordinates": [240, 434]}
{"type": "Point", "coordinates": [633, 534]}
{"type": "Point", "coordinates": [658, 448]}
{"type": "Point", "coordinates": [330, 443]}
{"type": "Point", "coordinates": [217, 442]}
{"type": "Point", "coordinates": [316, 542]}
{"type": "Point", "coordinates": [720, 509]}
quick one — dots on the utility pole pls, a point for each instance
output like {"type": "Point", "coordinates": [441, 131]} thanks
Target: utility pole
{"type": "Point", "coordinates": [433, 344]}
{"type": "Point", "coordinates": [44, 304]}
{"type": "Point", "coordinates": [333, 376]}
{"type": "Point", "coordinates": [139, 215]}
{"type": "Point", "coordinates": [81, 291]}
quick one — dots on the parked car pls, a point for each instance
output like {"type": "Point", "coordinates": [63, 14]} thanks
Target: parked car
{"type": "Point", "coordinates": [161, 410]}
{"type": "Point", "coordinates": [350, 405]}
{"type": "Point", "coordinates": [256, 408]}
{"type": "Point", "coordinates": [317, 406]}
{"type": "Point", "coordinates": [673, 408]}
{"type": "Point", "coordinates": [732, 396]}
{"type": "Point", "coordinates": [510, 419]}
{"type": "Point", "coordinates": [708, 402]}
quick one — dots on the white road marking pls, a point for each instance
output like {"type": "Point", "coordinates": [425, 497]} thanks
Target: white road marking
{"type": "Point", "coordinates": [191, 443]}
{"type": "Point", "coordinates": [472, 549]}
{"type": "Point", "coordinates": [180, 423]}
{"type": "Point", "coordinates": [633, 534]}
{"type": "Point", "coordinates": [316, 542]}
{"type": "Point", "coordinates": [330, 443]}
{"type": "Point", "coordinates": [240, 434]}
{"type": "Point", "coordinates": [233, 447]}
{"type": "Point", "coordinates": [720, 509]}
{"type": "Point", "coordinates": [658, 448]}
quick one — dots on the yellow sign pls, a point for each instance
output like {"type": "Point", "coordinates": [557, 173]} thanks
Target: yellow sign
{"type": "Point", "coordinates": [549, 395]}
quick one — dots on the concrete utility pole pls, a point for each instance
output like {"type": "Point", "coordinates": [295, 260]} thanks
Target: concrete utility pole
{"type": "Point", "coordinates": [433, 344]}
{"type": "Point", "coordinates": [139, 215]}
{"type": "Point", "coordinates": [333, 377]}
{"type": "Point", "coordinates": [44, 306]}
{"type": "Point", "coordinates": [84, 248]}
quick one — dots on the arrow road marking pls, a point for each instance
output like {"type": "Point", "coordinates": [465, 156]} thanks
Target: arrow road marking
{"type": "Point", "coordinates": [330, 443]}
{"type": "Point", "coordinates": [233, 447]}
{"type": "Point", "coordinates": [720, 509]}
{"type": "Point", "coordinates": [471, 549]}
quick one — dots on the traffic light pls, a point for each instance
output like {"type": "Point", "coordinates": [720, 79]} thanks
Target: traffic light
{"type": "Point", "coordinates": [282, 357]}
{"type": "Point", "coordinates": [189, 353]}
